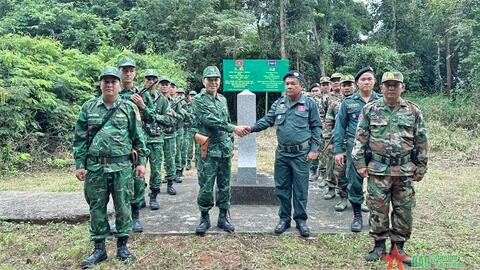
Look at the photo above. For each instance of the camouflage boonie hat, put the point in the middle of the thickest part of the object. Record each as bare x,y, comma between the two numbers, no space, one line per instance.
192,93
164,79
347,78
180,90
392,76
211,72
126,62
109,71
336,76
151,73
295,74
324,79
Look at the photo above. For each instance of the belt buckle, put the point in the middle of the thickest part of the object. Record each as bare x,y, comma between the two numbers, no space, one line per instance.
394,161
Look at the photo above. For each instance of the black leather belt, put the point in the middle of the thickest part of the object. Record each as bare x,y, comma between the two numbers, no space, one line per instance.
391,160
294,148
109,160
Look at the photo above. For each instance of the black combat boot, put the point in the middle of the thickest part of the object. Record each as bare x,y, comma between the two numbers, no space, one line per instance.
136,225
357,222
223,222
98,255
170,189
153,200
178,176
122,250
377,252
204,224
406,259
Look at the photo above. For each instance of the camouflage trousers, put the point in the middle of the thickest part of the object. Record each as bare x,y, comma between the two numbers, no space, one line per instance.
97,189
169,150
179,161
155,160
211,170
319,164
399,191
187,145
336,177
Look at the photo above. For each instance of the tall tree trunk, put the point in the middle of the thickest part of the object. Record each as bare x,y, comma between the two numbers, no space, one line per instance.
283,53
318,44
394,26
448,63
438,73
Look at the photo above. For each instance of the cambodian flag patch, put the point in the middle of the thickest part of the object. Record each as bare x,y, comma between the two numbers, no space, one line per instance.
301,108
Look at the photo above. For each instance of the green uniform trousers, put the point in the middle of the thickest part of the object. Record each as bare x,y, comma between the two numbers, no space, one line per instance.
169,150
155,160
138,190
291,176
383,190
179,162
209,170
97,189
355,181
187,146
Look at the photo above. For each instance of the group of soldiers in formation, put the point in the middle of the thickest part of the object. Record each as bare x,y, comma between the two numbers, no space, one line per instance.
340,131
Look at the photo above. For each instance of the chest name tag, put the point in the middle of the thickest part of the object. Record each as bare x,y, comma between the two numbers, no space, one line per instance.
301,108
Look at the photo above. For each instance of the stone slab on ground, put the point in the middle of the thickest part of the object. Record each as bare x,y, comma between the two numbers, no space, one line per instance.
177,215
44,207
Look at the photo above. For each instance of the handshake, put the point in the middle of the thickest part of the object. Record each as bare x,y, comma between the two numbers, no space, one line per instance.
242,130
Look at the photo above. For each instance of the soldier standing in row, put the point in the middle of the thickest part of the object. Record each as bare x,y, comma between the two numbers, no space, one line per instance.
345,128
394,131
154,134
214,163
107,130
189,131
316,95
144,103
178,106
298,133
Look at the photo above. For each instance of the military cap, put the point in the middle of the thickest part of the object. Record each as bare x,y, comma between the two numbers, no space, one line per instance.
295,74
211,72
313,86
324,79
151,73
392,76
109,71
192,93
173,82
126,62
347,78
163,79
336,75
180,90
363,70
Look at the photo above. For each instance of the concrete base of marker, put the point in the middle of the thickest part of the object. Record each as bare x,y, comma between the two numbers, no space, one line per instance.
260,192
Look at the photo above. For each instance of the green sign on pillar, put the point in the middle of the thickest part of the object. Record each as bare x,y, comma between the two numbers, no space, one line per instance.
254,75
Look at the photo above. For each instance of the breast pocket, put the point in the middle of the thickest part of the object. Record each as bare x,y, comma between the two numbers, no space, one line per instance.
378,127
280,116
354,113
301,119
120,122
406,126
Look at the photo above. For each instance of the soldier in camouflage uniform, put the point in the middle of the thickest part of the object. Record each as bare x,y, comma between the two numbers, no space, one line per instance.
154,134
325,88
394,131
345,128
189,131
213,121
169,138
334,97
179,107
298,133
347,88
316,95
102,160
144,104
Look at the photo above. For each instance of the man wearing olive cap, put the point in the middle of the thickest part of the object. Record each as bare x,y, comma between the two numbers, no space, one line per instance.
394,131
298,133
103,160
345,127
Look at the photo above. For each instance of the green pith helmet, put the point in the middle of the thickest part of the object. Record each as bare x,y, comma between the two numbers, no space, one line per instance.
211,72
347,78
336,75
392,76
151,73
126,62
164,79
180,90
324,79
109,71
